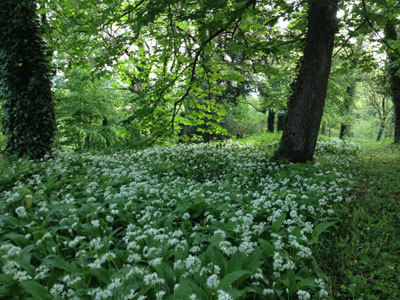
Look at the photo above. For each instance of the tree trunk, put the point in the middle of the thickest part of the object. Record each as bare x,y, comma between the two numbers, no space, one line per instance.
381,129
29,121
391,34
271,120
307,102
343,129
323,128
347,103
281,122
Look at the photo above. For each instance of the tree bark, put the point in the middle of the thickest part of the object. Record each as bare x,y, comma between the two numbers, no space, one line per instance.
347,103
323,128
271,120
393,70
281,122
381,129
343,129
307,102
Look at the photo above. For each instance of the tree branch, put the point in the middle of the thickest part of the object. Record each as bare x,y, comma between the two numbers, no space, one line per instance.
376,31
347,40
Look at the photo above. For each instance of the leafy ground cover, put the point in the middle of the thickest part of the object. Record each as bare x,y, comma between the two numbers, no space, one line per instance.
181,222
362,254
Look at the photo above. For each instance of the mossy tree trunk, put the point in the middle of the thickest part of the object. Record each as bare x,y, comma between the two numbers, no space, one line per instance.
394,69
307,102
29,121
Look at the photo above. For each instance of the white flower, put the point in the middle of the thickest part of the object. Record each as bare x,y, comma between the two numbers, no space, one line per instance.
303,295
212,281
96,243
155,262
193,264
152,279
131,295
57,289
95,223
41,272
134,258
20,211
268,292
160,295
76,241
222,295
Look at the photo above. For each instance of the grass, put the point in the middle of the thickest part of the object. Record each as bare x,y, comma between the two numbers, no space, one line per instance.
363,254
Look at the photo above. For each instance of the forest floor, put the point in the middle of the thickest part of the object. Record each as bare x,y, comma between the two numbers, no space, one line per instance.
363,257
217,221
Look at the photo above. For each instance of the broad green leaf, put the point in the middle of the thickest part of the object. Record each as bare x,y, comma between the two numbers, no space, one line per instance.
253,261
101,274
60,263
19,239
214,255
267,247
230,278
278,223
35,289
236,262
320,228
306,282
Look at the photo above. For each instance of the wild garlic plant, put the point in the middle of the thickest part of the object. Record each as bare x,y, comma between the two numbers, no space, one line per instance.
181,222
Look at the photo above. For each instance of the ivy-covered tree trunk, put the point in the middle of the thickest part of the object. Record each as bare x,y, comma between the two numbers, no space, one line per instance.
271,120
307,102
394,69
29,121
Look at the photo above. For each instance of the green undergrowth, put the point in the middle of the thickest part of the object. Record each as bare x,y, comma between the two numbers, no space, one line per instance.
205,222
361,256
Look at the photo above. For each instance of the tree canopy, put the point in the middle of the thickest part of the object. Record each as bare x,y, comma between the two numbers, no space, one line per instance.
183,61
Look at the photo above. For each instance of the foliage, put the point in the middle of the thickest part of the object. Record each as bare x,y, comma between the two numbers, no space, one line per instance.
90,112
29,122
241,121
202,221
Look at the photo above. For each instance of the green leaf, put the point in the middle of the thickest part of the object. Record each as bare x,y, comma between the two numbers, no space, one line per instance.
19,239
230,278
214,255
59,263
236,262
320,228
306,282
188,287
253,261
267,247
102,274
35,289
184,289
292,282
278,223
